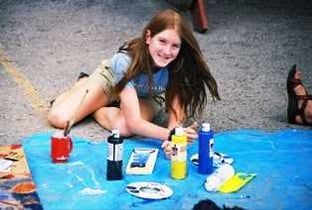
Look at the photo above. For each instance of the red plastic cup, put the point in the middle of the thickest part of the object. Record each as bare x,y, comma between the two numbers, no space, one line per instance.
61,147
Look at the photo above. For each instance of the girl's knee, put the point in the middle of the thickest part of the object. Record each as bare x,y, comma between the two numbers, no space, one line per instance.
110,119
56,119
126,133
121,125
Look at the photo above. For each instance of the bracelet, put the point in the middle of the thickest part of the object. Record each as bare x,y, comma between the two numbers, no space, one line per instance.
171,133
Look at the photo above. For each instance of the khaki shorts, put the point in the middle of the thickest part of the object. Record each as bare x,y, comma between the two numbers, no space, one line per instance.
104,76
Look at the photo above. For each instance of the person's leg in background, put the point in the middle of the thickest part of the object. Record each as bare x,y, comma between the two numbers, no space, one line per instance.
299,110
198,12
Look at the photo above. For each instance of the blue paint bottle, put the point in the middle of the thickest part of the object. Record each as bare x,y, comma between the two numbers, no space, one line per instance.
205,149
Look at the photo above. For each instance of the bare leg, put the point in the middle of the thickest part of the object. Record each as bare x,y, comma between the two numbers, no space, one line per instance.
308,112
66,108
113,118
176,118
300,90
63,96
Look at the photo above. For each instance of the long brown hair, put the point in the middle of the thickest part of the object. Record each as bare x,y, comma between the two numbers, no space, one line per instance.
189,75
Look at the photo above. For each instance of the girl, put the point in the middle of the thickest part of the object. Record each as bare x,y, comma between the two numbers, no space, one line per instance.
299,110
126,91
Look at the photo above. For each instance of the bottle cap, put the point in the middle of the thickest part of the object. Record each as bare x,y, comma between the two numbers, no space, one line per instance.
179,131
206,127
115,133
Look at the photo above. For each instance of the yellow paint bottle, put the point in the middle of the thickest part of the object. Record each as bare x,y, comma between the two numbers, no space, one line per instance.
179,154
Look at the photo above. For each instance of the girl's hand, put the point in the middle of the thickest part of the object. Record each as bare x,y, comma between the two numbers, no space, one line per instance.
191,132
166,146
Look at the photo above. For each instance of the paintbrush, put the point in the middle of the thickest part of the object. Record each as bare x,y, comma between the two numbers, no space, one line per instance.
70,123
66,128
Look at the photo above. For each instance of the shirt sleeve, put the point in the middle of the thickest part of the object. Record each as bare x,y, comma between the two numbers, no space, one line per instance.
120,64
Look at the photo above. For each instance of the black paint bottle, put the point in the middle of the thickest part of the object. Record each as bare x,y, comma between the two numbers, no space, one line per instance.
114,156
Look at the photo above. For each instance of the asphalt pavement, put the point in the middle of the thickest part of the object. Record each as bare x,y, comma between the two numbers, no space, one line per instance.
249,46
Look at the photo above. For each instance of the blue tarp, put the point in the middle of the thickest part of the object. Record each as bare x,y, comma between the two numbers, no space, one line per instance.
281,160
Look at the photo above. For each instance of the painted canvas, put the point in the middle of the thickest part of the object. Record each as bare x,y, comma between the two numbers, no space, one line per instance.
17,189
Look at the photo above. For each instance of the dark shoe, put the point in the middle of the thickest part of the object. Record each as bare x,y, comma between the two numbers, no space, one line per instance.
82,75
51,102
293,110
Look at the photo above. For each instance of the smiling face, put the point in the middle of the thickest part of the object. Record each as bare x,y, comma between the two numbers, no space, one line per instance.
164,47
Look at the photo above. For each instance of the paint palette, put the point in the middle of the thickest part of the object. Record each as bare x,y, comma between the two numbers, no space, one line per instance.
149,190
218,159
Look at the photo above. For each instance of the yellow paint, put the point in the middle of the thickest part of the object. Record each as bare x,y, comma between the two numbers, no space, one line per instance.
178,159
38,104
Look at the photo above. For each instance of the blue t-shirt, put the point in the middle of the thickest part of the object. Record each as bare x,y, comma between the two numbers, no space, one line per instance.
120,63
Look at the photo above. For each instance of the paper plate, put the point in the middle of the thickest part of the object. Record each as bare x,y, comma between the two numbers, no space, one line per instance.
149,190
218,159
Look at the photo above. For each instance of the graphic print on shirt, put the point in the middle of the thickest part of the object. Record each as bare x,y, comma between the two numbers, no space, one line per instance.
160,81
120,63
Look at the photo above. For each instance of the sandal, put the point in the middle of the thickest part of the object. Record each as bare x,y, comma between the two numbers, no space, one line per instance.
293,110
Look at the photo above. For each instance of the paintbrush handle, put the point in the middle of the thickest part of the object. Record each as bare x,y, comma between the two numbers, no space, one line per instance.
70,125
66,128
